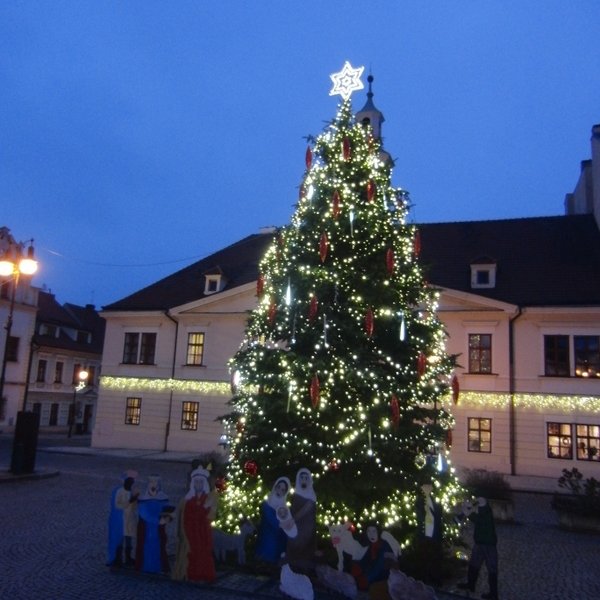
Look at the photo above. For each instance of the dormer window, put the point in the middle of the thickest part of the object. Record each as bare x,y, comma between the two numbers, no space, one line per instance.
483,273
49,330
212,284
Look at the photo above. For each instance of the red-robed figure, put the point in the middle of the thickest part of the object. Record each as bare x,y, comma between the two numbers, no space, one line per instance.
194,559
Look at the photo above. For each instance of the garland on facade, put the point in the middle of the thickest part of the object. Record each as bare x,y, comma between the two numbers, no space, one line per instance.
182,386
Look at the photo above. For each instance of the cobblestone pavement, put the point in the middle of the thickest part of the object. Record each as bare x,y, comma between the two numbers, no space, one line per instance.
54,537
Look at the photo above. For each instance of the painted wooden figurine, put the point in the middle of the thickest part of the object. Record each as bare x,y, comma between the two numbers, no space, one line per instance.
300,549
122,522
194,557
271,541
154,513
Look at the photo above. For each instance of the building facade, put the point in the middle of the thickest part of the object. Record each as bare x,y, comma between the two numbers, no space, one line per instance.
67,343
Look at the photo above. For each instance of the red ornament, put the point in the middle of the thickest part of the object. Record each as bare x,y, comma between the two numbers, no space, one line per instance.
335,201
395,408
323,246
389,261
449,438
239,426
272,313
312,310
421,364
220,484
417,243
260,285
369,322
370,190
455,389
308,157
347,149
315,391
251,468
334,465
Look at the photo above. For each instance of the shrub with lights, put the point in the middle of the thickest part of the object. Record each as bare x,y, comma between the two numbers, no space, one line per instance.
343,368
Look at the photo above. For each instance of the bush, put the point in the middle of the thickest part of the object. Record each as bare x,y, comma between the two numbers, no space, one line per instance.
489,484
583,497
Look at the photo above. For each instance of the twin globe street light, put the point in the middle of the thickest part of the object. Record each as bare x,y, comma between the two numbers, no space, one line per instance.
14,264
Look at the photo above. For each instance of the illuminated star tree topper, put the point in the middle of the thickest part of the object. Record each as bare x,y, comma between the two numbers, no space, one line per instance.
346,81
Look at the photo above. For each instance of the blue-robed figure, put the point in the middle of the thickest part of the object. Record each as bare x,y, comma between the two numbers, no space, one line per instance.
154,513
271,537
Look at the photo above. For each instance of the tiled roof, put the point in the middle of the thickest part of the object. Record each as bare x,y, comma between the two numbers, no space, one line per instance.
69,316
541,261
238,263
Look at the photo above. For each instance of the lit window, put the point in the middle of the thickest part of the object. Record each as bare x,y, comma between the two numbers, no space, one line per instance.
588,442
480,434
559,440
480,353
189,416
195,348
587,355
133,411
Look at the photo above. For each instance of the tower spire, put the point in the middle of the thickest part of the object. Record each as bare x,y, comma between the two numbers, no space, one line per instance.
369,114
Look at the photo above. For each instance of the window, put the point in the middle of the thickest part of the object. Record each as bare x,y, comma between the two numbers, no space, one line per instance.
556,356
41,370
560,440
483,273
130,348
12,349
588,442
58,372
83,337
53,414
480,353
139,348
480,434
587,355
91,375
133,411
76,369
49,330
189,416
2,409
195,348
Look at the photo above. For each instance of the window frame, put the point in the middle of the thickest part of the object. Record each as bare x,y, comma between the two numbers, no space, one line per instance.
12,348
478,439
189,415
42,368
133,410
480,350
139,348
561,436
589,455
191,346
586,356
59,371
553,362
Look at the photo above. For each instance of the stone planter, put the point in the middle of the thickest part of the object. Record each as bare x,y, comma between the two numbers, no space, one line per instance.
576,522
503,510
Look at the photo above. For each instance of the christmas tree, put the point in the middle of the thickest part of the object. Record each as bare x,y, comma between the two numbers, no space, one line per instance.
343,368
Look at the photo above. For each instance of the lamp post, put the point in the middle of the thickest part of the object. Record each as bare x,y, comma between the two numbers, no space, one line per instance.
14,264
82,375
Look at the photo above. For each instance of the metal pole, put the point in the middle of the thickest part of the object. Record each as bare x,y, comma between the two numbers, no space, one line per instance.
8,328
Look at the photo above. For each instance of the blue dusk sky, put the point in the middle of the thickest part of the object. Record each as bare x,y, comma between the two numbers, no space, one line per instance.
139,136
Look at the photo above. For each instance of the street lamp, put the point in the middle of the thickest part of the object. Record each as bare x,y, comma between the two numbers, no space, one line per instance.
82,375
14,264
